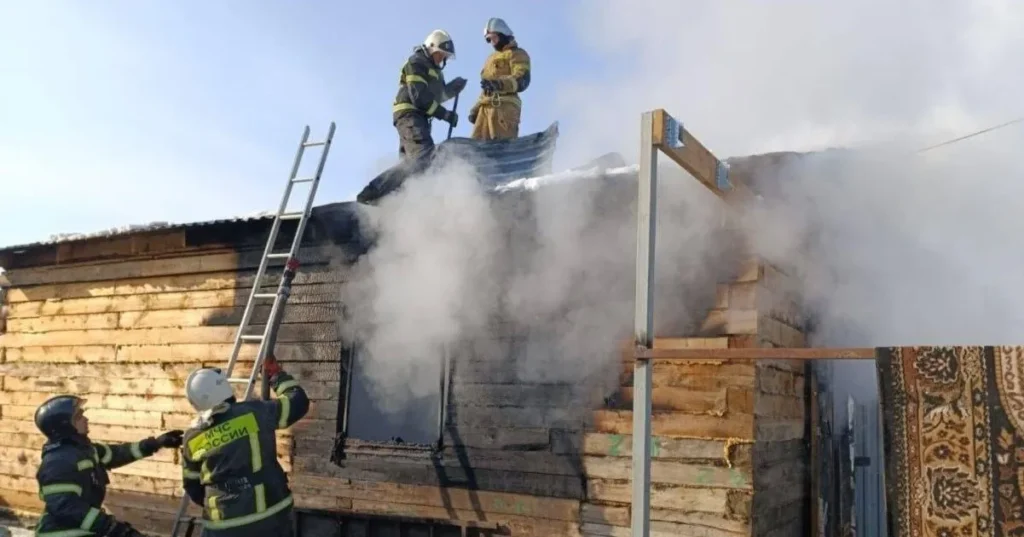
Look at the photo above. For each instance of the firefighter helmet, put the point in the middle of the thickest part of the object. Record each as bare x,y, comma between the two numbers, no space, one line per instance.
55,417
497,26
440,41
206,388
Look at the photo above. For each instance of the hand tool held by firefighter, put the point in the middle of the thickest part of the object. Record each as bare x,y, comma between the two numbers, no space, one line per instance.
451,126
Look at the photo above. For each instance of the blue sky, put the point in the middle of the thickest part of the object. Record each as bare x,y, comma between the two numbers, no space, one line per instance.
126,112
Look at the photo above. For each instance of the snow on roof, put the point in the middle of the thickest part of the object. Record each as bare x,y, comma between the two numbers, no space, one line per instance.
533,183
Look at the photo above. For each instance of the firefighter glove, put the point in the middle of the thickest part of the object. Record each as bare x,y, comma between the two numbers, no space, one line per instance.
456,86
490,86
449,116
472,115
170,439
271,367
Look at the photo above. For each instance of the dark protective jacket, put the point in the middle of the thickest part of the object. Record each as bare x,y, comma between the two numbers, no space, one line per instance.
73,482
230,467
421,87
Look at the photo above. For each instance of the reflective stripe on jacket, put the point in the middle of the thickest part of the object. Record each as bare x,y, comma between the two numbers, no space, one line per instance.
421,87
510,68
73,480
230,467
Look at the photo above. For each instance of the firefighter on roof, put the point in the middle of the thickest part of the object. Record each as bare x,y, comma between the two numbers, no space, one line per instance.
505,75
421,91
72,474
230,465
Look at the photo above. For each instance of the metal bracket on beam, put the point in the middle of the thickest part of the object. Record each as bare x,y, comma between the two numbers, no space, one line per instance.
722,177
673,135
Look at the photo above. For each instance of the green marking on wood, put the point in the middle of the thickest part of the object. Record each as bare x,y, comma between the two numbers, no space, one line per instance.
615,447
703,476
655,446
736,478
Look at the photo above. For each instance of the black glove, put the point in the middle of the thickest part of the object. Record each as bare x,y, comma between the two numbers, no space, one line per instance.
122,529
490,86
449,116
456,86
472,115
170,439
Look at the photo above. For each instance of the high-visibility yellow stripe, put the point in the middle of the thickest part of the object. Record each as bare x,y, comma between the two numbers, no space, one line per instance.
286,385
250,519
286,409
136,450
59,488
191,474
205,475
85,464
433,108
402,107
90,518
211,506
257,456
409,79
261,498
64,533
433,73
108,454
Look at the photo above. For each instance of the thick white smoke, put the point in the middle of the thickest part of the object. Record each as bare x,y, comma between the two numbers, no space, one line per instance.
890,249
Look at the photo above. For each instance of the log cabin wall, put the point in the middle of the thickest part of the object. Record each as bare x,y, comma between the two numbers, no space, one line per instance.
122,320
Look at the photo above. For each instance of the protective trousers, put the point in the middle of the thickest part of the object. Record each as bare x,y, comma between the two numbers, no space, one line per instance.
414,137
497,122
279,525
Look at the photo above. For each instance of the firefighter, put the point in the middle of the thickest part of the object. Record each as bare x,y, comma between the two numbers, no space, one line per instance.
229,460
72,474
505,75
421,91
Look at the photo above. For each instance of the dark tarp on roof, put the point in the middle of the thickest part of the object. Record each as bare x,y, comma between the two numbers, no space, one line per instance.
497,162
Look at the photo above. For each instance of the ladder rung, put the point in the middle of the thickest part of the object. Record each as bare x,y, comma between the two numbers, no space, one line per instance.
291,216
313,144
304,180
279,256
252,337
238,380
265,295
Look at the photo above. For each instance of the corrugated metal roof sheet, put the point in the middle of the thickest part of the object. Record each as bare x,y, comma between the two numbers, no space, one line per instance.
135,228
497,162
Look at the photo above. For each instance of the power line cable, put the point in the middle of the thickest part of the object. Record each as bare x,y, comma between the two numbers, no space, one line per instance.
973,134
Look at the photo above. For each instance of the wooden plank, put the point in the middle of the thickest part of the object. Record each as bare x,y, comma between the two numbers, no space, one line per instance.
186,353
687,499
621,445
696,375
683,400
160,266
454,498
298,313
672,473
393,471
224,298
298,332
759,354
735,426
106,370
210,281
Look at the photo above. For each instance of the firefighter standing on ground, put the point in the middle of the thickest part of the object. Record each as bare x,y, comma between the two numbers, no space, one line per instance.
506,73
230,465
421,90
72,474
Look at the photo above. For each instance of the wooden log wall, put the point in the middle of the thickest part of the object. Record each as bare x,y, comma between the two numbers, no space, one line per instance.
727,446
126,327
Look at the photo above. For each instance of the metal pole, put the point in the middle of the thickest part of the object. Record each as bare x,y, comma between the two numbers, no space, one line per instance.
643,326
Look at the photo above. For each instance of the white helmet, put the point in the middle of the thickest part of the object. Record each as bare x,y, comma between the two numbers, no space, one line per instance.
206,388
497,26
440,41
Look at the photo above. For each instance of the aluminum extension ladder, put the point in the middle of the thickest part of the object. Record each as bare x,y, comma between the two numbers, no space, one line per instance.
268,338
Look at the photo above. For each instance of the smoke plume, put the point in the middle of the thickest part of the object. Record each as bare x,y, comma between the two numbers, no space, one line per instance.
890,247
